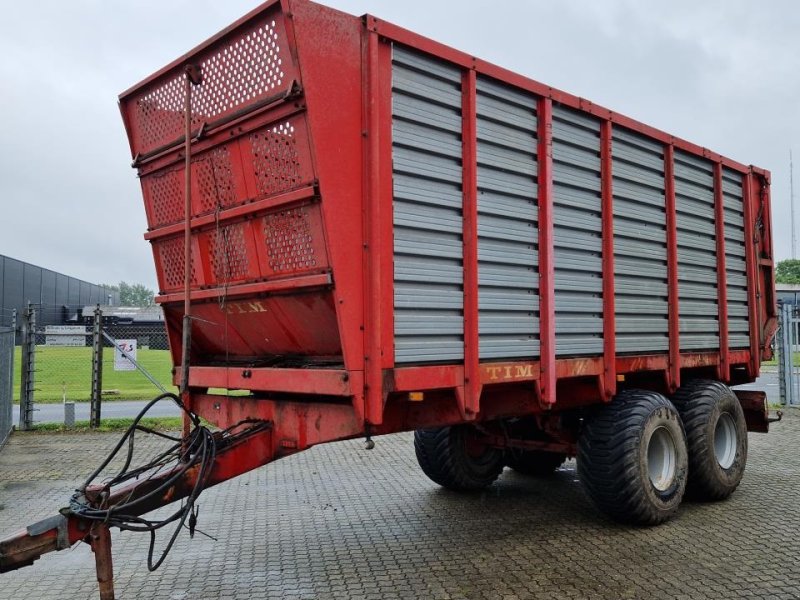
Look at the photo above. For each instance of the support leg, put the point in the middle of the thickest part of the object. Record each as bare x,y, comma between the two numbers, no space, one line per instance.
101,546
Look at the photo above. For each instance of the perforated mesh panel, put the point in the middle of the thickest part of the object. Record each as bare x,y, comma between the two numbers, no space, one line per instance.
254,64
229,259
275,158
214,179
164,192
290,241
170,254
213,187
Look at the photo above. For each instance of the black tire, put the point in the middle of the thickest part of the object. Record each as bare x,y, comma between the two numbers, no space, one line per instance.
716,433
448,456
536,463
615,463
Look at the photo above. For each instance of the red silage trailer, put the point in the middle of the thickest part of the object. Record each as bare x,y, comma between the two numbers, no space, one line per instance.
387,234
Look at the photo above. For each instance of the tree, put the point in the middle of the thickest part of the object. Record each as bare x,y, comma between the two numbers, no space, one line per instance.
788,271
134,294
131,294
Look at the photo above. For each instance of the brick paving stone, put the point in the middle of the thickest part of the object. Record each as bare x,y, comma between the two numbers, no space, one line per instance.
339,522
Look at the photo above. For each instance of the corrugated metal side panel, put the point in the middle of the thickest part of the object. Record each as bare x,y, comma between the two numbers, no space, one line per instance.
427,174
577,233
640,244
735,265
508,254
697,252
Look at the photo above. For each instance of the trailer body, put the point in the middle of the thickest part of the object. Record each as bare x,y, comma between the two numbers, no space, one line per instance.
376,214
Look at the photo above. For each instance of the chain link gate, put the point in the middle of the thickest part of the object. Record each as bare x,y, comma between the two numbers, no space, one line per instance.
788,347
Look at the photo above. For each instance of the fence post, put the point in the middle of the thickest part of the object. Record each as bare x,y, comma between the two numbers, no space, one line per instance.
28,376
97,368
780,345
11,368
791,383
787,378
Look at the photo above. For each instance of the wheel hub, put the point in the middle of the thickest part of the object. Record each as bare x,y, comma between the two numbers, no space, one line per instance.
725,440
661,459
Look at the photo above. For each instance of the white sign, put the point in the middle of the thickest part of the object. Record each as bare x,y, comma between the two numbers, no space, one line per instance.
65,335
120,362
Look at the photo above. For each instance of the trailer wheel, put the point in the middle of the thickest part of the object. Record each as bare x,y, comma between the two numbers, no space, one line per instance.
632,458
454,458
536,463
716,433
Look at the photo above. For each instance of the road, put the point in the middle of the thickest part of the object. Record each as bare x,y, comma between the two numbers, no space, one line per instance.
54,413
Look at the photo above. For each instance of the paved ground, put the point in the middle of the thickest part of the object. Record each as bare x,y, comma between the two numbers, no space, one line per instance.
341,522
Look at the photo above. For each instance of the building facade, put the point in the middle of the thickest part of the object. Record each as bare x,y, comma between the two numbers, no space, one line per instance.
22,282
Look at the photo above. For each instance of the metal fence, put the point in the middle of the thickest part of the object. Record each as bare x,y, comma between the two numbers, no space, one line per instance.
7,335
93,358
788,353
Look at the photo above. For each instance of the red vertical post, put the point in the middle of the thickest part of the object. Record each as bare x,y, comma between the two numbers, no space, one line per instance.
607,211
751,257
472,386
372,234
547,308
386,199
674,375
722,279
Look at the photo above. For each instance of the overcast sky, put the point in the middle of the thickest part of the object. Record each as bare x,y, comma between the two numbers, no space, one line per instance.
721,73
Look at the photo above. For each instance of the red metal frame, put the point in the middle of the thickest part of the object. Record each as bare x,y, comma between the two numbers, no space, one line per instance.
472,381
722,285
372,229
674,373
751,258
547,300
609,316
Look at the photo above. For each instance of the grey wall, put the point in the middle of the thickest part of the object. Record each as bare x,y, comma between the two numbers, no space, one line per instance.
22,282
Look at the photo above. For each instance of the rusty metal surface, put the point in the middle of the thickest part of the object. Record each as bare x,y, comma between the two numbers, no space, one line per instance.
340,523
756,410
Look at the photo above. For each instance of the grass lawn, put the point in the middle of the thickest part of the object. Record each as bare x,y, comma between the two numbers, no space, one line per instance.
67,371
774,361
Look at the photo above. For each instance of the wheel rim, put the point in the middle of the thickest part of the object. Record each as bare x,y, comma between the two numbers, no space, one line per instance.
662,456
725,441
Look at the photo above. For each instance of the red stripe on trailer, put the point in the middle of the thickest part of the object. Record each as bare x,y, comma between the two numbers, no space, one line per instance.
547,308
609,317
372,230
751,258
472,380
672,269
385,198
722,285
